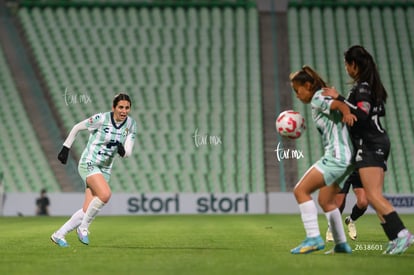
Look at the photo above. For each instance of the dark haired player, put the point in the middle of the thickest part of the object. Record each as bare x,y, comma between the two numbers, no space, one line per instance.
111,134
367,100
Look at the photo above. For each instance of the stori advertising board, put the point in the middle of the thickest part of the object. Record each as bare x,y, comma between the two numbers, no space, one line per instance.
65,204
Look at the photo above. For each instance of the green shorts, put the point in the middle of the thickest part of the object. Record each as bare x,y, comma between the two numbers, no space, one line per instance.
333,171
87,169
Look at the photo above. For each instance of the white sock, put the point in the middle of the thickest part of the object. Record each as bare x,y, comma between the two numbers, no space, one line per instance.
71,224
335,222
309,214
93,209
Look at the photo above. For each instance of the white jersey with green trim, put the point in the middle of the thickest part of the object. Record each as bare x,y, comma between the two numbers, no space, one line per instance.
104,136
335,136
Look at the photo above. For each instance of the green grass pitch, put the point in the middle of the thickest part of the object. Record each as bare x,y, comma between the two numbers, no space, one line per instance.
192,244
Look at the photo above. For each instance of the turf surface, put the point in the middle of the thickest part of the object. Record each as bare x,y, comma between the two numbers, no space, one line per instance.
248,244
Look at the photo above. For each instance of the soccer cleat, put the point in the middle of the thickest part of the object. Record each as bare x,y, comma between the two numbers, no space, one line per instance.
309,245
59,241
352,232
340,248
83,235
343,248
390,246
329,236
400,245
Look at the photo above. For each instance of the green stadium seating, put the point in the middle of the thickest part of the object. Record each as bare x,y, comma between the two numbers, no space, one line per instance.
190,68
185,68
23,163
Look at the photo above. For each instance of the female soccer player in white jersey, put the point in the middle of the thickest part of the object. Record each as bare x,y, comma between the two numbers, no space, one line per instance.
111,133
329,172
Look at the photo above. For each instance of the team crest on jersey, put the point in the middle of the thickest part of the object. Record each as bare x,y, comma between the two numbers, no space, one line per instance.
125,133
92,118
364,106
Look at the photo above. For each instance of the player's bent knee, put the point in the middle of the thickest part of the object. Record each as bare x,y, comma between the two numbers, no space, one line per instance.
105,197
327,207
362,204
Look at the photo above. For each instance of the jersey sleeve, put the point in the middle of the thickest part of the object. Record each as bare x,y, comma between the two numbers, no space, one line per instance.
72,134
130,139
363,101
94,122
363,93
322,103
90,124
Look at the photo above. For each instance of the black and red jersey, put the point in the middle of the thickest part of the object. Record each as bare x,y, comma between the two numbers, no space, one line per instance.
368,127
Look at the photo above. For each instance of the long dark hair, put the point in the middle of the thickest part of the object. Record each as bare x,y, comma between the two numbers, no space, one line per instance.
367,71
120,97
307,74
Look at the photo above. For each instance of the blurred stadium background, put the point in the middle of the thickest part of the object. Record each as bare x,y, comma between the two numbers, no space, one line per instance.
217,69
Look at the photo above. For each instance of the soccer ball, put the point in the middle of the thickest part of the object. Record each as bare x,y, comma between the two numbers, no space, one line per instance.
290,124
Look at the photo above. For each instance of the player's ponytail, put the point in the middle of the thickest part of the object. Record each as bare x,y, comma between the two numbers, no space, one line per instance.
319,82
367,71
307,74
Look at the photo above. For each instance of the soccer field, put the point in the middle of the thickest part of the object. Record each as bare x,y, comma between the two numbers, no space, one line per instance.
244,244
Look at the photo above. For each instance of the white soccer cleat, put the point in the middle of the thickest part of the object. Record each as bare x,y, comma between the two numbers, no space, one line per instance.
329,236
60,241
83,235
352,232
399,245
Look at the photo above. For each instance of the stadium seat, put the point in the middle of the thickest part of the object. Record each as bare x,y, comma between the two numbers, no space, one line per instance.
24,164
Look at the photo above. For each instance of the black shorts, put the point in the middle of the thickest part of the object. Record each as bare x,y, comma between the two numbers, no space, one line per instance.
372,154
353,180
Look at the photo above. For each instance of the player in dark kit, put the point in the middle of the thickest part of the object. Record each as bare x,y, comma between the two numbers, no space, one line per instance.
371,143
